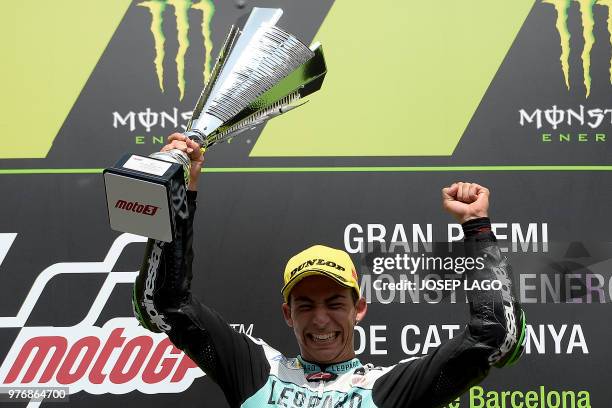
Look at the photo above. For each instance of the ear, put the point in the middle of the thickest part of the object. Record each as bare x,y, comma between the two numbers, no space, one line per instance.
287,314
361,308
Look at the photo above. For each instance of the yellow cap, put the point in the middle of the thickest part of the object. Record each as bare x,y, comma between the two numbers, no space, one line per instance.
320,260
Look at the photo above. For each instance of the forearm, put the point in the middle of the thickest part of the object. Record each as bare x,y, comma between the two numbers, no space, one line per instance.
164,281
496,318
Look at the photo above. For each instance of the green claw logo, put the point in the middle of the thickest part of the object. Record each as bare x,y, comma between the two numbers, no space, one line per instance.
588,23
181,9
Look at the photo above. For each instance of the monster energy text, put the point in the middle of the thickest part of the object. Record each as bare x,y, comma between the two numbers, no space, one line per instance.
557,118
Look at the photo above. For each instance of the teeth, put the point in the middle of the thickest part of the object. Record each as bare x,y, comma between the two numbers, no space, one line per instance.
323,337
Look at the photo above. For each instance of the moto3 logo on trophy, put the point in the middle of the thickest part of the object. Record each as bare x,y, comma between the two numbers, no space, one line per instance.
135,206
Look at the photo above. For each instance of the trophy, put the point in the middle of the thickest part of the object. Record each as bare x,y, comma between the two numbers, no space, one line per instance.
261,72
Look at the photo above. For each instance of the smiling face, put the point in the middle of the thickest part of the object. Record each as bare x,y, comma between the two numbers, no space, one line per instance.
323,314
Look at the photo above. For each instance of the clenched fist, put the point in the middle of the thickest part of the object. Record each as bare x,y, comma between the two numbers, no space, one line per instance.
192,149
466,201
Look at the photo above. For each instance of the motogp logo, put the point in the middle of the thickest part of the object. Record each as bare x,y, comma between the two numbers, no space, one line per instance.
117,358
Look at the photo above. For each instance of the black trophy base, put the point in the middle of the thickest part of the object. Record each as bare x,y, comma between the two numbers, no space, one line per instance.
145,195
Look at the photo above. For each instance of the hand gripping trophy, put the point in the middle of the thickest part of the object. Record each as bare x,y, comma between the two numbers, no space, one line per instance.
261,72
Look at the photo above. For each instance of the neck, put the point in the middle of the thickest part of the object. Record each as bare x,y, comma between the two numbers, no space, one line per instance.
337,367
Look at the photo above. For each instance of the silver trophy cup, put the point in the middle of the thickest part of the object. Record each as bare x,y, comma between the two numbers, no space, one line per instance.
261,72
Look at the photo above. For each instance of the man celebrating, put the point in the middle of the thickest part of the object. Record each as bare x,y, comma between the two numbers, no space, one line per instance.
322,305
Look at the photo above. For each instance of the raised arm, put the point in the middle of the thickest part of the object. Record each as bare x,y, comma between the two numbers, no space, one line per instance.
496,315
496,329
163,302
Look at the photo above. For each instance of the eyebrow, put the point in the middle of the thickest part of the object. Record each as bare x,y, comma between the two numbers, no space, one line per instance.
303,299
306,299
335,297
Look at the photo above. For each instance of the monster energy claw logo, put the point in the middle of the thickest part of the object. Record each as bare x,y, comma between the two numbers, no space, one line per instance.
588,22
181,8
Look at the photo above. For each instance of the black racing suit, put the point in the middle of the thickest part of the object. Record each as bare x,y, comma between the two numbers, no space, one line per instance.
252,374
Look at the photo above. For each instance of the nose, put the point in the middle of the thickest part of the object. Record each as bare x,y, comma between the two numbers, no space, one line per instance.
320,318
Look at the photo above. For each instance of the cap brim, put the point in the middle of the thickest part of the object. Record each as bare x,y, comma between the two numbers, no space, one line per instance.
311,272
